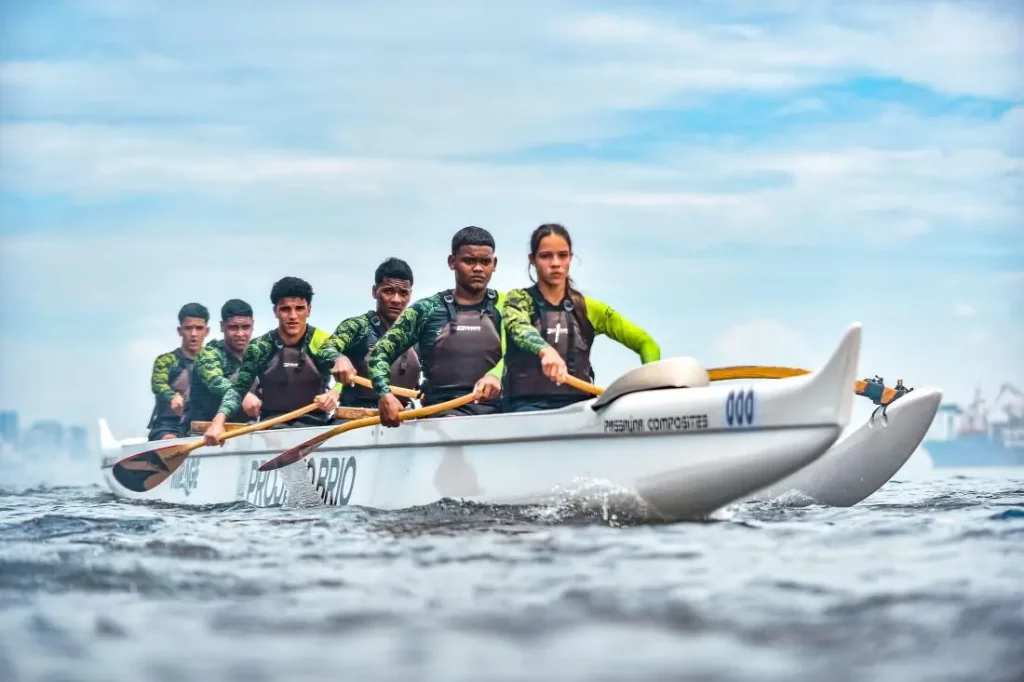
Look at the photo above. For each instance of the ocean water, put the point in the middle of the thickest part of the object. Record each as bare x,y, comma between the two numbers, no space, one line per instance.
922,581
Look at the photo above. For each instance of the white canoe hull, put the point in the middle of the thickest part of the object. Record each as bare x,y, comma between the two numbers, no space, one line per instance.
863,461
681,450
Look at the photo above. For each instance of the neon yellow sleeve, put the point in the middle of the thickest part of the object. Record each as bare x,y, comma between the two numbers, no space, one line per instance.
324,355
611,323
499,369
320,336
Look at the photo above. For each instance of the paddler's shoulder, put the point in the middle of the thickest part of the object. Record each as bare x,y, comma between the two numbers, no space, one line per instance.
356,323
212,350
516,297
266,338
169,359
354,329
596,307
318,338
213,346
425,306
261,346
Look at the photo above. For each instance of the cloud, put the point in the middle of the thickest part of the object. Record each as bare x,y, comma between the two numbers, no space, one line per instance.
802,106
792,190
979,337
961,309
327,109
454,78
952,48
764,341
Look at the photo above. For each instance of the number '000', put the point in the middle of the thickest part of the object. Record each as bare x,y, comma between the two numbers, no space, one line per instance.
739,408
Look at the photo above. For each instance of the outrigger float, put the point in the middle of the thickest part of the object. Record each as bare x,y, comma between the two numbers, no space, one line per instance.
662,432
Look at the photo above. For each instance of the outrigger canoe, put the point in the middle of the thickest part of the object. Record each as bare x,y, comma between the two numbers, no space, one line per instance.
864,460
661,432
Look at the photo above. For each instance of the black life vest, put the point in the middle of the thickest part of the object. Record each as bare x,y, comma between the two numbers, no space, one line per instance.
292,379
569,331
467,346
405,371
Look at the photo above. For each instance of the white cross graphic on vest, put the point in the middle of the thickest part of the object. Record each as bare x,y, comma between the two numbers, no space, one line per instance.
557,330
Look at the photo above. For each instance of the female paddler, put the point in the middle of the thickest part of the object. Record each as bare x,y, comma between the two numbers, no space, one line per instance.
550,328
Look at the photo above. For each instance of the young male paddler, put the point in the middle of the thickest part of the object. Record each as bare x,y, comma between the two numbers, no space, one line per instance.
551,329
292,367
217,365
172,372
458,333
354,337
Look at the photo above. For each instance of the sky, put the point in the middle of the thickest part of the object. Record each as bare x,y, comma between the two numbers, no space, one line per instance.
742,179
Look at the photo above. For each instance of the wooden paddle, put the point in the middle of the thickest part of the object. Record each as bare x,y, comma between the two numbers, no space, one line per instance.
145,470
881,395
341,412
302,449
397,390
583,385
878,392
716,374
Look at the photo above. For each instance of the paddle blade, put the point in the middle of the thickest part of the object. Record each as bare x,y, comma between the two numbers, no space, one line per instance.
146,470
293,455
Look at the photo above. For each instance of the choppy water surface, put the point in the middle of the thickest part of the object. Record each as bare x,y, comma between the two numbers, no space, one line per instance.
922,581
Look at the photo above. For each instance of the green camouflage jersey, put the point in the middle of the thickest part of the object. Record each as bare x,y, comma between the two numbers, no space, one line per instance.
259,357
350,335
519,325
354,338
167,369
171,376
215,368
471,346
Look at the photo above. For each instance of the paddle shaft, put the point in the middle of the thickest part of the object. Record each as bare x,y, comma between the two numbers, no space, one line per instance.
268,423
883,395
716,374
860,387
402,416
303,449
397,390
240,431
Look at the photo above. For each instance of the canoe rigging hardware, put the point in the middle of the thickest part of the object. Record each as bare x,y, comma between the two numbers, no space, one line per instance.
876,390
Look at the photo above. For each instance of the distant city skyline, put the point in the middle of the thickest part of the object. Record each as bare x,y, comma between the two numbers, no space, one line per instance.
743,181
45,435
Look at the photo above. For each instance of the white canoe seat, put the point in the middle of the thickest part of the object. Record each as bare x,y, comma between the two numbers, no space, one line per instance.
681,372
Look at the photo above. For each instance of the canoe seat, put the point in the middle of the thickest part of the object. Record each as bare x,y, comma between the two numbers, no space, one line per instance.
678,372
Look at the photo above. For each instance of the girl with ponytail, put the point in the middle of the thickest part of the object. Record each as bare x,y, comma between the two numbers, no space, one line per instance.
550,328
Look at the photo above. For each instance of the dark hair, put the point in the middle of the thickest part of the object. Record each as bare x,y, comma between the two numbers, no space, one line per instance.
471,236
394,268
546,230
291,287
236,307
193,310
